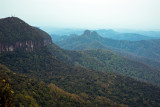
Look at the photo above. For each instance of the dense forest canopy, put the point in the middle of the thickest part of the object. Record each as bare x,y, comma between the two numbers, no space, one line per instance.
51,76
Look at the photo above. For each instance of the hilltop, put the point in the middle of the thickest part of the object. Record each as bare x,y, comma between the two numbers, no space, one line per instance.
16,34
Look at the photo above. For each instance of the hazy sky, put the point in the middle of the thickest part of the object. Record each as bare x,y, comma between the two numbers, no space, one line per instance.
130,14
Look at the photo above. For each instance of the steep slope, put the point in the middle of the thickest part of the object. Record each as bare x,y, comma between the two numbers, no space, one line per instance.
24,91
96,88
16,34
104,60
82,82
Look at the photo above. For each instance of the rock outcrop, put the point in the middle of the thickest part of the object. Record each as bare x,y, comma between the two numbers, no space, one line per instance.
26,45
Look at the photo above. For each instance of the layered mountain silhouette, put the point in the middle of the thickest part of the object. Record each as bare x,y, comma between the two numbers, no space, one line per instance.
107,33
50,76
146,49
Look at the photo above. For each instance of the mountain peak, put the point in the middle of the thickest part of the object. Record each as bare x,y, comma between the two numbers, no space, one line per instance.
15,34
87,32
91,34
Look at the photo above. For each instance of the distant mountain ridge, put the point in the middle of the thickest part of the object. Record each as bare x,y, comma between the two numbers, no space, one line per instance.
107,33
145,48
123,36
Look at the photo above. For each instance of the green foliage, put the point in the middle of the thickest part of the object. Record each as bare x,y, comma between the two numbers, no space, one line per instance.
125,66
145,48
104,60
6,94
76,80
42,78
65,98
29,92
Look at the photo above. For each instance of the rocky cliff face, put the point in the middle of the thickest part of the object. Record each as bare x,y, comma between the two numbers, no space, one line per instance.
25,45
16,34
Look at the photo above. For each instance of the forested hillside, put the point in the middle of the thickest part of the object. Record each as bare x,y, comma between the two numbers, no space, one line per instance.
41,77
145,48
91,85
146,51
20,90
104,60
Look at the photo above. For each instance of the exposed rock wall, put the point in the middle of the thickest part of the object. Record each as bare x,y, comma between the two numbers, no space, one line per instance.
26,45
